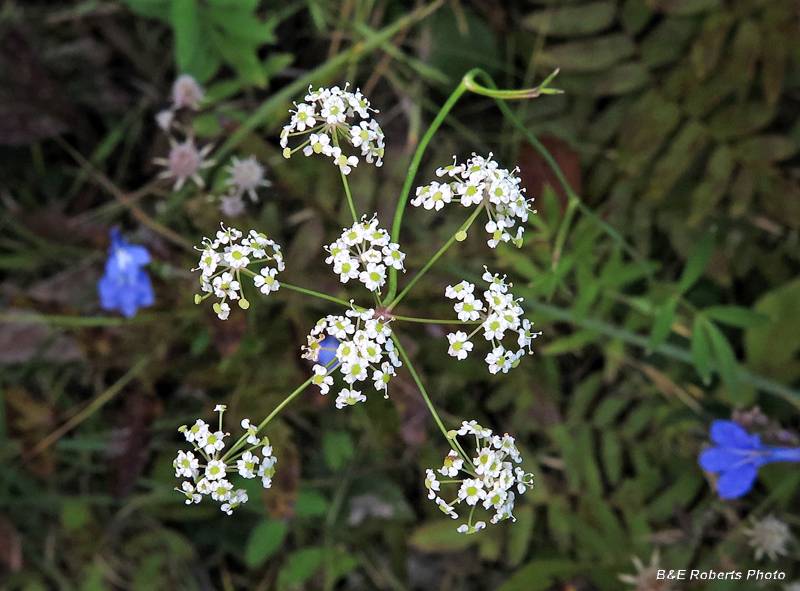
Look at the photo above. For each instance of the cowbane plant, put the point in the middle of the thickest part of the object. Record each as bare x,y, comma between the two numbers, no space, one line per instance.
209,466
355,350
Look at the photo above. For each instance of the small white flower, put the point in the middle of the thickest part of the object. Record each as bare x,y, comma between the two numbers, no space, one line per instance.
446,508
231,205
223,311
266,281
186,465
246,176
186,92
215,470
468,309
393,256
459,291
382,376
247,465
471,491
322,379
221,490
204,486
164,119
185,162
459,345
349,397
235,256
431,483
214,442
769,536
189,491
196,432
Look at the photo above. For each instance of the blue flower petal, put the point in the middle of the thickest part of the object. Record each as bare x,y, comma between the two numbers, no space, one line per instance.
737,482
720,459
139,255
329,345
125,286
730,434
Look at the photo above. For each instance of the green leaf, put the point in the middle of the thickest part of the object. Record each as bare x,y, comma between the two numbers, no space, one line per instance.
159,9
520,535
310,503
185,22
573,342
765,148
696,263
337,449
662,325
608,411
612,457
570,21
736,316
635,15
441,536
582,398
708,193
667,42
75,515
701,349
265,538
688,142
300,567
771,348
590,55
725,360
241,54
685,6
538,575
242,24
740,120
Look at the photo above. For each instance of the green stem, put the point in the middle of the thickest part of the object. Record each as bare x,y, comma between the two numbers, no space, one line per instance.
412,171
239,444
277,102
349,196
422,390
467,83
431,320
317,294
464,227
561,237
791,395
573,197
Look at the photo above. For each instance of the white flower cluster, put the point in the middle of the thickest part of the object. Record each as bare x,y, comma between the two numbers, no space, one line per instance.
207,471
481,182
185,160
354,344
364,252
490,476
500,313
246,176
769,537
324,118
224,259
186,92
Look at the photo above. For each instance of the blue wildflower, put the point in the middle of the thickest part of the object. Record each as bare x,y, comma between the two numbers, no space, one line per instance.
327,350
737,456
125,286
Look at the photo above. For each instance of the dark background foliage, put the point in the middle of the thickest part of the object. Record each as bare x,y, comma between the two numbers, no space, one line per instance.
667,294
